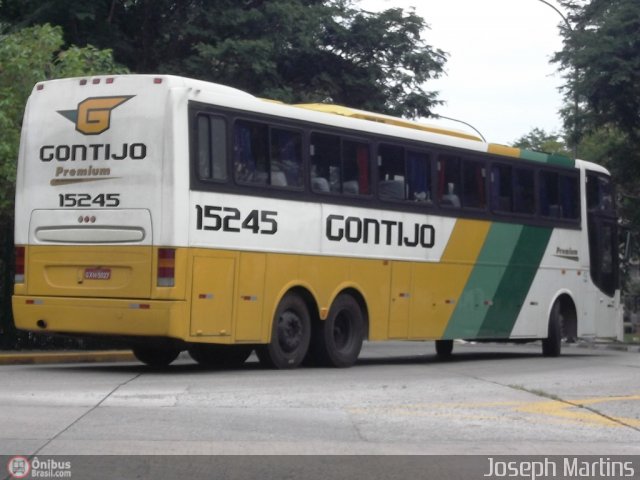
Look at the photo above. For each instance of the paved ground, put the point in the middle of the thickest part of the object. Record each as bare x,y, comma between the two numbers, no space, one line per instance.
398,399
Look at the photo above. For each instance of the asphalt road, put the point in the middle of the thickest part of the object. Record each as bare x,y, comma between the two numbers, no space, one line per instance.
398,399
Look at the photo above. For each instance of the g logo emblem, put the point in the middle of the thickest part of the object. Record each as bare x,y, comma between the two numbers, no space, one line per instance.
93,115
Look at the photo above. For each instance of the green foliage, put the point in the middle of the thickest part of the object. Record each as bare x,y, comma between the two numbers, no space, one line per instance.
289,50
28,56
540,141
601,61
601,58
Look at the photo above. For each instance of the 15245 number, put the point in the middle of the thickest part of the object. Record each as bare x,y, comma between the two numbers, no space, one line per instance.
103,200
231,219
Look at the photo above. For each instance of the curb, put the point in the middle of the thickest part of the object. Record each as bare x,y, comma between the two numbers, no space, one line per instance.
620,347
66,357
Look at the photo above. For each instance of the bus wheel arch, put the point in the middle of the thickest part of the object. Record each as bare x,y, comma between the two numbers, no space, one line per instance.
563,323
337,340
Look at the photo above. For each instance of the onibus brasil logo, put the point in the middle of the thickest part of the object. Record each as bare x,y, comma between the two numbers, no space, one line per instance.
93,115
23,467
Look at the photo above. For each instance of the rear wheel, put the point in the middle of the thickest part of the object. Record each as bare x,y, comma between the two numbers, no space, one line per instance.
290,334
552,345
219,355
338,339
157,357
444,348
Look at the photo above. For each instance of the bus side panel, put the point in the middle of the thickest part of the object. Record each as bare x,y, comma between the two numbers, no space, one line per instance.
560,272
212,295
249,296
438,289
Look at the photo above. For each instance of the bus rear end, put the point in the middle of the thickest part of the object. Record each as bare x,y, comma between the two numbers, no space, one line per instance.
93,197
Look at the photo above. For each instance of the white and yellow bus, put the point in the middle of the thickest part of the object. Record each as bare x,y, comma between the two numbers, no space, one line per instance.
174,214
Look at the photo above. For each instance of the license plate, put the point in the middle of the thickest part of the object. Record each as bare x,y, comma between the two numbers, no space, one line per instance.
97,273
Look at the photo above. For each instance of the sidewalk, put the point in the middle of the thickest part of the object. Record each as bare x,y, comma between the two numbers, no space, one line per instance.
53,356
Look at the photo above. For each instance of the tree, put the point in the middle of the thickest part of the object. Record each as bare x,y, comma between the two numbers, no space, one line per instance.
601,56
289,50
601,61
28,56
540,141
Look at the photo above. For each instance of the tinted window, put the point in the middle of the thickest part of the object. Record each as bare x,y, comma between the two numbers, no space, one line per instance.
418,177
559,196
355,167
473,185
267,156
599,193
286,158
326,165
449,180
524,191
339,165
501,188
391,172
212,148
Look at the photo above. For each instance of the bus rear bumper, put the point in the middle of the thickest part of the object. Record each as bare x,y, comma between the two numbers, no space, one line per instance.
90,316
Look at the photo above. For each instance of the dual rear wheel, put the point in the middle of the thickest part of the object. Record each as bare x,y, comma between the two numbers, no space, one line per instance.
296,337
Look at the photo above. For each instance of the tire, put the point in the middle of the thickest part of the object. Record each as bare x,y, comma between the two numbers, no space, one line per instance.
338,339
156,357
444,348
209,355
552,345
290,335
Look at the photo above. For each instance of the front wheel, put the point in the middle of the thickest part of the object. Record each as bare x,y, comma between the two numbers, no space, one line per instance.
290,334
338,339
552,345
157,357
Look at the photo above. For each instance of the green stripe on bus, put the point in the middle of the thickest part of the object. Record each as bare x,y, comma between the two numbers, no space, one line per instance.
474,303
559,160
534,156
515,283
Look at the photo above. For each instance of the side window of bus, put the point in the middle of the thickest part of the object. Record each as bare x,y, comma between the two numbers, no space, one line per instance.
418,177
251,147
570,197
501,188
212,148
599,193
286,158
339,166
391,172
449,180
355,168
403,175
267,156
559,196
326,165
524,198
473,185
513,189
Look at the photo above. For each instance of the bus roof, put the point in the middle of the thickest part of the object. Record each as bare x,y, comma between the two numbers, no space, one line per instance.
353,118
387,119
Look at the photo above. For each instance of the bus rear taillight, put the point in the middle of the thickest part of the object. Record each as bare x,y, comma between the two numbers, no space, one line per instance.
166,267
19,276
